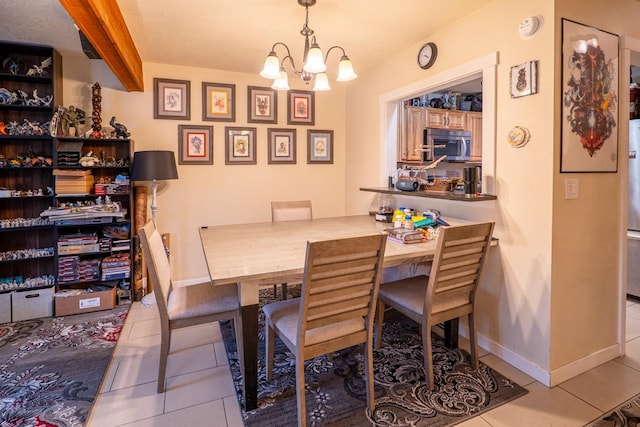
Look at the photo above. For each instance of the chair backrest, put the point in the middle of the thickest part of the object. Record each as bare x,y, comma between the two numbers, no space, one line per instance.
340,283
157,264
288,211
456,269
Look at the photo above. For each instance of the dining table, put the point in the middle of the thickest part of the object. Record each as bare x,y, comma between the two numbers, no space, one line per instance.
257,254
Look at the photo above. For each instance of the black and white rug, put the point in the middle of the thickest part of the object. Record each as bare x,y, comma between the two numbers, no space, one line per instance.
625,415
51,368
335,389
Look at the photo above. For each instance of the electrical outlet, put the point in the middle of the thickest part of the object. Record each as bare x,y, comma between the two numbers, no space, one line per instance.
571,187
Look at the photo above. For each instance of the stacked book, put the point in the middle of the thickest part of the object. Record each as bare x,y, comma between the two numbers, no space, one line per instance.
116,267
78,244
120,245
73,269
404,235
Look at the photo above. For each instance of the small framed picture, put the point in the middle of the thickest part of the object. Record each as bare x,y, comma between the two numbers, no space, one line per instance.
195,145
282,146
171,99
262,104
524,79
320,146
301,108
240,146
218,102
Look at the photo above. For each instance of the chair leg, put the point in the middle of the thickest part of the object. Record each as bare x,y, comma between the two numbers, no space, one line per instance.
473,340
428,354
165,345
284,291
379,323
275,291
302,405
368,372
268,349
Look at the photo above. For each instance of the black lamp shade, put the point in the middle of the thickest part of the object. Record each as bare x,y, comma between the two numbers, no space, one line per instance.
156,164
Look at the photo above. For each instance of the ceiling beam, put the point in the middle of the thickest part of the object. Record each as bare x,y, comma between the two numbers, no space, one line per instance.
102,23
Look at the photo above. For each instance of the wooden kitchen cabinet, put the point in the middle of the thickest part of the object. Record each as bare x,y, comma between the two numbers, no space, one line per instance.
445,119
411,139
474,125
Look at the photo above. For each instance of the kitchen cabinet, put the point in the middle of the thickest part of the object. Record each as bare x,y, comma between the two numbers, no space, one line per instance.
474,125
411,138
30,87
445,119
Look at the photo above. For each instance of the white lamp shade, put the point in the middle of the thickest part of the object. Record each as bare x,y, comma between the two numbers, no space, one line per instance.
315,62
322,83
282,82
271,69
345,70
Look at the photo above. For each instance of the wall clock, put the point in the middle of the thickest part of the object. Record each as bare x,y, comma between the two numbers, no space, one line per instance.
427,55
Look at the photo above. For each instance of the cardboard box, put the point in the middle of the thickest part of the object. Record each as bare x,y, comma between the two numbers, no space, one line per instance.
5,307
32,304
85,302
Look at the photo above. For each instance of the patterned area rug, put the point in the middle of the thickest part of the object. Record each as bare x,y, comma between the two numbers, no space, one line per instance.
51,368
625,415
335,389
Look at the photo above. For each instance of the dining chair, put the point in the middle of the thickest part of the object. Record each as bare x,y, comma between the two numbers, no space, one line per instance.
336,308
289,211
449,291
184,306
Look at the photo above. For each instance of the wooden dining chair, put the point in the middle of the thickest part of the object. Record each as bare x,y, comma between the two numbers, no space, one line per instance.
184,306
449,291
289,211
335,310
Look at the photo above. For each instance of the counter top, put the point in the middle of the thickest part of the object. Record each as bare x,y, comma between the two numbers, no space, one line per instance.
447,195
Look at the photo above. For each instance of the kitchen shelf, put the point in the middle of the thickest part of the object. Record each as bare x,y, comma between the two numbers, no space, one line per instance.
446,195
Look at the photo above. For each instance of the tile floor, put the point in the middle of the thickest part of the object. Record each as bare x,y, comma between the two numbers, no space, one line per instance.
200,390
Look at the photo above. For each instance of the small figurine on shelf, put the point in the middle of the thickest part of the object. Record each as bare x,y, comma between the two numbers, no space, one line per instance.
71,118
96,101
119,130
39,70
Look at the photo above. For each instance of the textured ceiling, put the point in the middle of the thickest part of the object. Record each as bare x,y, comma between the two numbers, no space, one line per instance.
236,35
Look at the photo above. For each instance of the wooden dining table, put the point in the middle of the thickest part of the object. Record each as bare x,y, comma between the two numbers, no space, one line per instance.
274,252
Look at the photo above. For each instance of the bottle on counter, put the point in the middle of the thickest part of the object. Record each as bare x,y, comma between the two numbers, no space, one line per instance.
408,222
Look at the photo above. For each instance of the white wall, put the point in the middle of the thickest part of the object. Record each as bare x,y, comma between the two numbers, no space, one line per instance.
217,194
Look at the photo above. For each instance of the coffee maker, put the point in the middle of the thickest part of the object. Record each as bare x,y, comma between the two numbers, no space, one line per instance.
471,177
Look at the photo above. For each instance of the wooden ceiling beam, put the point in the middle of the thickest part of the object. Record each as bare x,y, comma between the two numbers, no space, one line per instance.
102,23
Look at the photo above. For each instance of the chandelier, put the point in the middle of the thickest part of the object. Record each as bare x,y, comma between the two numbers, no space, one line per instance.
313,62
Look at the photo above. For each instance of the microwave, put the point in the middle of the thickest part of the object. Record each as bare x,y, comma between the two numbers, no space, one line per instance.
455,144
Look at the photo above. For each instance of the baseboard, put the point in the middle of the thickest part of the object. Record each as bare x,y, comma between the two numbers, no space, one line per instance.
547,378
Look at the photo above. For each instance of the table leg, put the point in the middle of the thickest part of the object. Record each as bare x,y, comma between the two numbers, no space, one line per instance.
451,333
250,345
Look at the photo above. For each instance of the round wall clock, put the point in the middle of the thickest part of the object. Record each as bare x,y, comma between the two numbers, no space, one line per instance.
427,55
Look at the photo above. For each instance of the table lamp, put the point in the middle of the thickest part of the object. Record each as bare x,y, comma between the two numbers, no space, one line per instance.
154,165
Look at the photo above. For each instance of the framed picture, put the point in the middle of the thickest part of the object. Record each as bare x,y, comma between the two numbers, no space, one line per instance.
301,108
589,104
240,146
282,146
524,79
262,104
218,102
195,145
171,99
319,146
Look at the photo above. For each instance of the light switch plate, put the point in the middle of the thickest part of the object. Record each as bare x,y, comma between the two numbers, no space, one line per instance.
571,187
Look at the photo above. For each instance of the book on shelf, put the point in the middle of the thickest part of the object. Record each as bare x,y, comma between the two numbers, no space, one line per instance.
404,235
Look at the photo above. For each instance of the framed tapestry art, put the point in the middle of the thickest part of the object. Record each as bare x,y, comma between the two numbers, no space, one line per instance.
262,104
301,107
171,99
218,102
524,79
195,145
590,67
282,146
240,146
319,146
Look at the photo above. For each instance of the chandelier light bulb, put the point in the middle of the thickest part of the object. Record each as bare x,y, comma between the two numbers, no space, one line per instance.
315,62
345,70
282,82
322,83
271,69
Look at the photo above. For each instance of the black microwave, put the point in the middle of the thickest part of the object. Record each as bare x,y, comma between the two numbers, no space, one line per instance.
455,144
